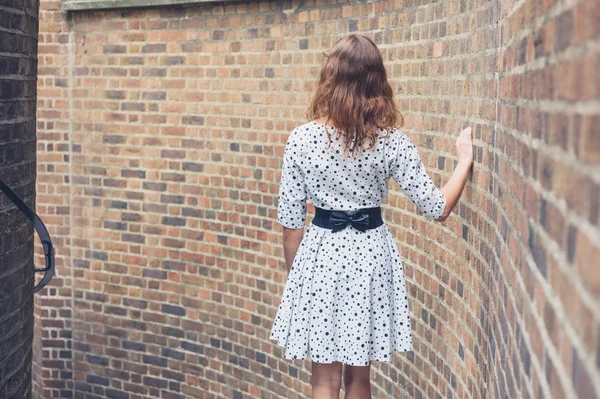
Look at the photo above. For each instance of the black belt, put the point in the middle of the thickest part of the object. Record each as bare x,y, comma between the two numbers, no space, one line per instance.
361,219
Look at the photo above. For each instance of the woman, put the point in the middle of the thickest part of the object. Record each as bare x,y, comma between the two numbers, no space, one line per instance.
345,300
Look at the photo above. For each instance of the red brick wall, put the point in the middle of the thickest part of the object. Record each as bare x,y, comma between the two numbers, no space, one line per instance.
160,136
53,345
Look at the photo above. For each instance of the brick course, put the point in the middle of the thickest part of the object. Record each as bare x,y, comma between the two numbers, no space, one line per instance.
160,136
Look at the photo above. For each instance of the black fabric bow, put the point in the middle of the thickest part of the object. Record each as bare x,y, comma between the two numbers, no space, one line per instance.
340,220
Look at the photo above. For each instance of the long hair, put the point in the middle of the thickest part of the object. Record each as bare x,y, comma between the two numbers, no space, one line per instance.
354,93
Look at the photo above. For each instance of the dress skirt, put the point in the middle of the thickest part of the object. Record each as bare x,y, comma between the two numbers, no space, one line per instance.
345,299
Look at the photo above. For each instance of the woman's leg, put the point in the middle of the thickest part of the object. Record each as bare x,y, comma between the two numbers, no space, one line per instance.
326,380
357,382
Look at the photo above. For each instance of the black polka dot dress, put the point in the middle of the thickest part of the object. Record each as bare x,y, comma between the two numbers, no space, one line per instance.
345,298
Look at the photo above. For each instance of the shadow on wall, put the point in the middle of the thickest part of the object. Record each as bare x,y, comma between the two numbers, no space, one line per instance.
160,135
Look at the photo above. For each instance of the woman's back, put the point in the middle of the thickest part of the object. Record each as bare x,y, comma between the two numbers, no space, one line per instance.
320,172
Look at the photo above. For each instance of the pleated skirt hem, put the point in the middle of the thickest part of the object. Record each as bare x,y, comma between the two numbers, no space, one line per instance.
340,358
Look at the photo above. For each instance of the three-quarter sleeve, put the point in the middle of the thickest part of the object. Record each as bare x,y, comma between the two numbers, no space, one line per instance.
291,211
407,169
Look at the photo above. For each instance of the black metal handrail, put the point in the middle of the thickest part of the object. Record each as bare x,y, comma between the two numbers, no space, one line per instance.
42,232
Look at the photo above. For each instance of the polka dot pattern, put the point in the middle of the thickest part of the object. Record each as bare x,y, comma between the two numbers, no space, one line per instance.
345,298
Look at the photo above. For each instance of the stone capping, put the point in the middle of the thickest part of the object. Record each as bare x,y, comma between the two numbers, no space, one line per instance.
80,5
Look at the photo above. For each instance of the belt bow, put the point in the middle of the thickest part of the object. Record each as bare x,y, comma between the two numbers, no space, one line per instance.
340,220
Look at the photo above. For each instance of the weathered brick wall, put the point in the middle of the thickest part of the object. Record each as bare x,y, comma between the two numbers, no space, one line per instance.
162,131
53,345
545,283
18,29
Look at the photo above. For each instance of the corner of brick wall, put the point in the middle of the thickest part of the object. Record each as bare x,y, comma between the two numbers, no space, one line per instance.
18,26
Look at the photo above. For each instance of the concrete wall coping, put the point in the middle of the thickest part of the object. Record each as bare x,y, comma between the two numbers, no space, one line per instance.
81,5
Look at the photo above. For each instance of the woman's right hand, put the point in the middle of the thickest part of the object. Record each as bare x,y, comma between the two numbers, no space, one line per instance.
464,147
454,188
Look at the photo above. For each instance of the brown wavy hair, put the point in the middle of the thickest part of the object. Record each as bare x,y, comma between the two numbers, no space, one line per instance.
354,93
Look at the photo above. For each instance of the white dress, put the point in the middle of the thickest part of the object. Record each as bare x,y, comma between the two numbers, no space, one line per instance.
345,298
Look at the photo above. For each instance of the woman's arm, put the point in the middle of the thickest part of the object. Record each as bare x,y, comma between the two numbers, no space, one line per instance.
291,242
293,193
454,188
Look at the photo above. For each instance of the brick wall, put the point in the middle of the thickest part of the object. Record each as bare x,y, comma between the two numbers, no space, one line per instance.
53,344
18,28
160,136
